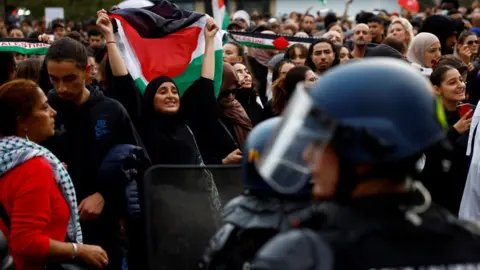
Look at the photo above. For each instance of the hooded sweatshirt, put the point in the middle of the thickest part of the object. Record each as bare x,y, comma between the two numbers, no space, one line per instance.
84,134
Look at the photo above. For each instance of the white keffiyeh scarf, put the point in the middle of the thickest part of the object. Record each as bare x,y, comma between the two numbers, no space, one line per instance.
15,151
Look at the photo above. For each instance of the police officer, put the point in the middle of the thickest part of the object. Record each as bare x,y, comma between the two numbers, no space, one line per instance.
254,217
359,133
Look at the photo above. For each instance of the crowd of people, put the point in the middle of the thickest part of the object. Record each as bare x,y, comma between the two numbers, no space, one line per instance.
76,136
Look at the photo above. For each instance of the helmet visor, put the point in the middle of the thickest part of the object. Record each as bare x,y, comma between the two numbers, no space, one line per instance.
283,163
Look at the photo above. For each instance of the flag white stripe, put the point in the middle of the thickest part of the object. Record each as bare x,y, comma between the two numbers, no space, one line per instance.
129,56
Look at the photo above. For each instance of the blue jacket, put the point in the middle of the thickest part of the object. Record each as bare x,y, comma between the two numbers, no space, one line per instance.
119,171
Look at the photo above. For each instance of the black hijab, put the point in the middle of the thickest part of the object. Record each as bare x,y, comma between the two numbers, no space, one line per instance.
166,136
443,27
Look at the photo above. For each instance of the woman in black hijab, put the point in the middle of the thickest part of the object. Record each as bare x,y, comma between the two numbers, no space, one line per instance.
164,129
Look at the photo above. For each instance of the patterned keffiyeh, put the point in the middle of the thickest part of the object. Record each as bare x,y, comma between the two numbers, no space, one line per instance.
14,151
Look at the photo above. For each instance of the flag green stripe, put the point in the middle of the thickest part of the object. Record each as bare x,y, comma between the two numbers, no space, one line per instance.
226,20
193,70
141,85
22,50
257,45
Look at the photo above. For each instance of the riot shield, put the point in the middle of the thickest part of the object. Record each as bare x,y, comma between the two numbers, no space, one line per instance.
182,211
228,180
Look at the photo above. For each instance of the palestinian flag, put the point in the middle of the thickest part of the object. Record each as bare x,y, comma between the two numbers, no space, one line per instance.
220,13
164,40
23,46
268,41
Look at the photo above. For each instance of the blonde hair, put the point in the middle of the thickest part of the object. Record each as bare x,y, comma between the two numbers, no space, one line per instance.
407,26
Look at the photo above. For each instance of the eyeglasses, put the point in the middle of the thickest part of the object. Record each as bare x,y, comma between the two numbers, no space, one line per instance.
471,42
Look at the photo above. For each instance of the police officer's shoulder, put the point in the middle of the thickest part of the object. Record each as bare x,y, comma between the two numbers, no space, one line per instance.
295,249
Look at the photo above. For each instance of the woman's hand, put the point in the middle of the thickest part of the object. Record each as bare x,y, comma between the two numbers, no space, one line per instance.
45,38
465,54
92,255
211,29
234,157
105,25
463,125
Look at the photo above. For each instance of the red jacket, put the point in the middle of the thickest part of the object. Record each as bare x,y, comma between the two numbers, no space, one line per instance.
37,209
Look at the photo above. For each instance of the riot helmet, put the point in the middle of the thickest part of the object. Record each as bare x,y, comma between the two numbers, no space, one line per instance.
253,148
378,112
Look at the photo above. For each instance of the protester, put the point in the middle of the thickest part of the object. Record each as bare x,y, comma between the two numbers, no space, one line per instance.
232,114
402,30
8,67
15,32
334,36
36,192
444,28
88,126
396,44
247,94
308,24
297,53
286,85
361,38
233,53
425,50
344,55
446,171
466,48
29,69
322,55
377,29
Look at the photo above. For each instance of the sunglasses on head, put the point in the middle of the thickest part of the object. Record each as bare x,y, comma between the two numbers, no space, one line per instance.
471,42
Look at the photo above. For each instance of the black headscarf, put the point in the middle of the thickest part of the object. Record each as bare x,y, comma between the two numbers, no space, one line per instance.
384,50
166,136
443,27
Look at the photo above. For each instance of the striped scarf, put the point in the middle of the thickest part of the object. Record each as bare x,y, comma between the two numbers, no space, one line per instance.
15,151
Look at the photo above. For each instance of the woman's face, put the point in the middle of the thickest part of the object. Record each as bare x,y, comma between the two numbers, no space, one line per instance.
344,55
286,68
298,58
452,87
398,32
230,54
432,54
244,76
16,33
472,43
337,28
40,124
167,100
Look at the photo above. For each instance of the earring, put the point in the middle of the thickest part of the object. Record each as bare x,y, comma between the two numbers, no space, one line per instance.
26,135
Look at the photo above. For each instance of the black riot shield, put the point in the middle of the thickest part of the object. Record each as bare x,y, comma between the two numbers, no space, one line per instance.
182,211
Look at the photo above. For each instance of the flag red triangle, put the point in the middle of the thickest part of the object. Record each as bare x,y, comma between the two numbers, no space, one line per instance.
281,43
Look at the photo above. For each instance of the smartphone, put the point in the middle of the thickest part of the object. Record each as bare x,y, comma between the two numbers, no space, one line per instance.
464,109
